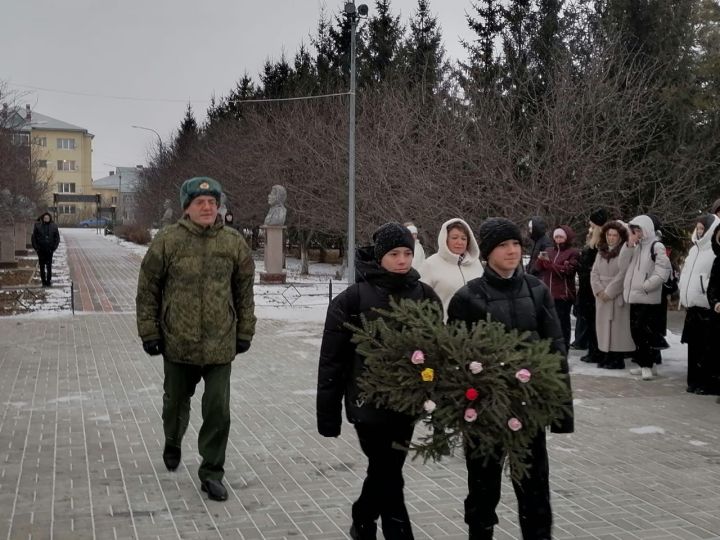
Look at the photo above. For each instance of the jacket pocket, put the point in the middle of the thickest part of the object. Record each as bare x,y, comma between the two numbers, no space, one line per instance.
703,283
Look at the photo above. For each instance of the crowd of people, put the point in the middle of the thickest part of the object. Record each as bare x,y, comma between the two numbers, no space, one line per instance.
195,308
616,285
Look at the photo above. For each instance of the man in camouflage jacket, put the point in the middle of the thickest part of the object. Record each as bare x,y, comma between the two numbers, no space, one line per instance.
195,307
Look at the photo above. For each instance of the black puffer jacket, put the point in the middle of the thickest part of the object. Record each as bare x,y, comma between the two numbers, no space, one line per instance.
540,241
713,289
585,296
340,365
45,236
521,302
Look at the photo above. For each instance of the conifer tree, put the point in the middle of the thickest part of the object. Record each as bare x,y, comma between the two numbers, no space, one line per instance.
422,52
384,33
188,134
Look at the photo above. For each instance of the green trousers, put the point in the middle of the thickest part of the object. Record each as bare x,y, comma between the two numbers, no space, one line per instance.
179,386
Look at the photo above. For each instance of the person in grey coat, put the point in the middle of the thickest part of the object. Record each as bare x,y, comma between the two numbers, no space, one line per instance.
612,314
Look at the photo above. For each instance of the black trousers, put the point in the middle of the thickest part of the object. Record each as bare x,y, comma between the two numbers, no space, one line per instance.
382,492
532,492
703,359
563,308
45,261
179,386
645,331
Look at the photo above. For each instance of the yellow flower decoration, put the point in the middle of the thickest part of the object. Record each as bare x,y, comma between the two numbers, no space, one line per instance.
427,374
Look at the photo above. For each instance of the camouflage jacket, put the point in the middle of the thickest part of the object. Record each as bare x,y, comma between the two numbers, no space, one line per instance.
195,292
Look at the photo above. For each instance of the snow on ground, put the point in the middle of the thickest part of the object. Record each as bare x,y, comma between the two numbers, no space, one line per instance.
52,301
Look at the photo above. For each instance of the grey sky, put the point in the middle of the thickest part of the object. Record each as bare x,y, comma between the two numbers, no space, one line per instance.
170,51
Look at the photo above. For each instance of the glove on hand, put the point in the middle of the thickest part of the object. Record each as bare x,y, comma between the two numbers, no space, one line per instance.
241,346
153,347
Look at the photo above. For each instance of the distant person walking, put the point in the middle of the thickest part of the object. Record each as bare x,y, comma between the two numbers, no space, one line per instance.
195,307
45,240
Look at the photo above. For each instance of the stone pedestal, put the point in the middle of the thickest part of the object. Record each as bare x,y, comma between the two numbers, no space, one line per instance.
7,247
274,244
20,238
28,236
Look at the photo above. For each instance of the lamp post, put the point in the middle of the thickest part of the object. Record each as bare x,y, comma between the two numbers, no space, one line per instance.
353,13
151,129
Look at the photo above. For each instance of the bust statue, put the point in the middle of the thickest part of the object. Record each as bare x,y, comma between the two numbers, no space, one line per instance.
276,200
167,217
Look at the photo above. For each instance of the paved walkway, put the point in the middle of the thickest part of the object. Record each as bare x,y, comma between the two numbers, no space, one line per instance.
81,438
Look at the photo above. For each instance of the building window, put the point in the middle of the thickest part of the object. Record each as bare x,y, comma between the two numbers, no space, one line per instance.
42,163
113,200
40,141
66,209
66,144
66,165
66,187
20,139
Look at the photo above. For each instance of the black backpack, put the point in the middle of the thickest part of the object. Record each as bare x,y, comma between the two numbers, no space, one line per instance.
671,284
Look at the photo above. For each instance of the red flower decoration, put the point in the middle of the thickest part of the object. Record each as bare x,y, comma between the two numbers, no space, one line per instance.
471,394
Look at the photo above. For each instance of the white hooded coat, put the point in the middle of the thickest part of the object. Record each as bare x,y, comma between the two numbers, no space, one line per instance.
644,277
695,272
418,255
446,272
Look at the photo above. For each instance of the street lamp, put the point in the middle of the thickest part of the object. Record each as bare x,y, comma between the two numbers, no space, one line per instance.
353,13
150,129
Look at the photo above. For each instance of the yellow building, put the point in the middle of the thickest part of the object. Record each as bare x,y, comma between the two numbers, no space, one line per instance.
62,153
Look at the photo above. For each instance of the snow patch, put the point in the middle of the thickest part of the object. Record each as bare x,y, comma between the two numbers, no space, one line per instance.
645,430
698,443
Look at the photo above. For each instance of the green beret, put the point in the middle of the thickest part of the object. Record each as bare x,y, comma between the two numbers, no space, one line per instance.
200,185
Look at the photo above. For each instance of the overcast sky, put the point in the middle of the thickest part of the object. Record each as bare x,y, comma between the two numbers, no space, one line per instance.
156,55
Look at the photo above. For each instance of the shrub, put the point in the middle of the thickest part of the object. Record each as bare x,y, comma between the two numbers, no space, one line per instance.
133,233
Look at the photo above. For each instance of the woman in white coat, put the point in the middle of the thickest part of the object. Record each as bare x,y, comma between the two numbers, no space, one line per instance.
456,262
698,327
647,268
612,314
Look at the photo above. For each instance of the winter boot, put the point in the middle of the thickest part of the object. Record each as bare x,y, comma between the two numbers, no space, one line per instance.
638,371
480,533
363,530
397,529
647,373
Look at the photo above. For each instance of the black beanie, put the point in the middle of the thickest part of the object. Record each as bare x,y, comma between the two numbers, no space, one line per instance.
494,231
599,216
390,236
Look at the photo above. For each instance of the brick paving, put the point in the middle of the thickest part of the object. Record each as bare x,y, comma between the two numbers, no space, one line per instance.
81,438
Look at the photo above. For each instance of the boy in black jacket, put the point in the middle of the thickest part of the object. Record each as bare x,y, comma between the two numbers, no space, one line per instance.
520,301
383,272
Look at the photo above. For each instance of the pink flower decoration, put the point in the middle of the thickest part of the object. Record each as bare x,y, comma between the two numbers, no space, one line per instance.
523,375
514,424
475,367
418,357
429,406
470,415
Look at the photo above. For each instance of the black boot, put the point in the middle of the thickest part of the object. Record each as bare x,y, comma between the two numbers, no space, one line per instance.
588,358
397,529
171,457
480,533
615,360
363,530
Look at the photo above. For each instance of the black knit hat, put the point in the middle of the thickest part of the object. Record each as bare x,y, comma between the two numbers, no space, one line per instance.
390,236
494,231
599,216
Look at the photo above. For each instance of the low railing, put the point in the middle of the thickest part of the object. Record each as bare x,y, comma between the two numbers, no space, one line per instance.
298,294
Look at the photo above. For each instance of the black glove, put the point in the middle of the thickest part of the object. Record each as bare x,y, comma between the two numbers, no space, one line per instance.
153,347
241,346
